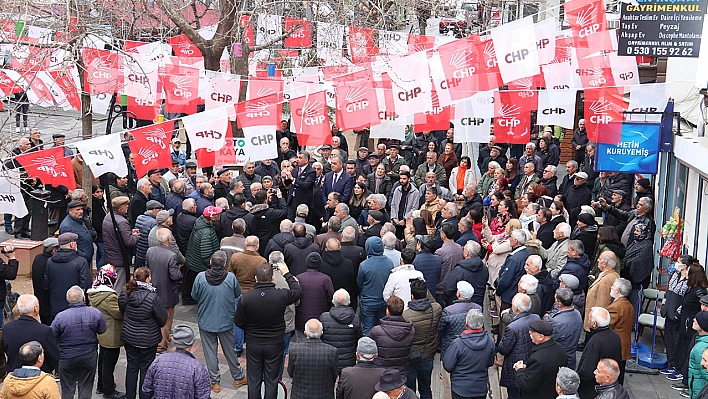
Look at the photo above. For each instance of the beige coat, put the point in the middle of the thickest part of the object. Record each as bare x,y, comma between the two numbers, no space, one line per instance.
106,300
599,294
42,386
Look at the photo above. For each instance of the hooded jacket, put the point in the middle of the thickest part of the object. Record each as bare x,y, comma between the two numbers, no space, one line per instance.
340,271
296,254
278,243
453,321
203,242
394,338
225,226
216,304
419,313
317,292
143,317
471,270
342,329
105,299
373,273
467,360
29,384
65,269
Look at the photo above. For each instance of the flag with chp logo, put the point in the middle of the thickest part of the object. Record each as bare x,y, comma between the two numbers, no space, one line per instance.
512,120
604,114
417,43
101,75
224,89
524,91
546,40
556,107
301,36
472,123
437,119
489,75
247,29
208,129
410,77
104,154
181,86
361,44
50,166
8,85
357,106
184,48
558,76
310,120
66,83
11,200
515,48
31,59
226,155
261,111
151,147
588,22
624,69
37,91
595,72
460,63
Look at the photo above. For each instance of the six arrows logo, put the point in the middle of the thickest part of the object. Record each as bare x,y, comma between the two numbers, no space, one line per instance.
509,111
586,16
183,85
148,153
157,136
49,165
601,106
458,59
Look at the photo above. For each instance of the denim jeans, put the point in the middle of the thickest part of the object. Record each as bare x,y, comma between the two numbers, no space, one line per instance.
79,370
288,336
422,373
138,361
99,255
238,333
371,314
8,221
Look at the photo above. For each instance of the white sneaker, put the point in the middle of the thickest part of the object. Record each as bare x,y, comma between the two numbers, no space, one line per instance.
17,129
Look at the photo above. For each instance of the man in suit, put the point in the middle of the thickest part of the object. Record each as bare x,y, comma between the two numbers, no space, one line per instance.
512,269
545,229
313,365
337,181
622,319
599,291
303,179
25,329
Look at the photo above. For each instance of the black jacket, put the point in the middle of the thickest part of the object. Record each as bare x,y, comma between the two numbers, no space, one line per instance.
143,317
260,311
538,379
603,343
184,224
354,253
358,382
98,213
65,269
39,265
546,290
296,254
551,184
341,271
690,306
342,329
137,207
394,338
266,221
475,203
545,235
8,271
225,226
577,196
472,270
278,243
25,329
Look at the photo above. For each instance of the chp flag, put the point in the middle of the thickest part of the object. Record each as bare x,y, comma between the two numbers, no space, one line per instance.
11,200
310,120
556,107
50,166
208,129
472,123
151,147
260,143
104,154
515,48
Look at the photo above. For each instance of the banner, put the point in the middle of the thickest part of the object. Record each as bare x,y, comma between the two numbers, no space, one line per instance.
50,166
260,143
181,87
556,107
390,126
300,37
207,129
103,154
101,74
357,106
140,78
472,126
8,86
647,98
226,155
512,120
330,38
261,111
393,43
603,114
515,47
636,152
67,85
11,200
151,147
222,90
184,49
411,84
269,29
361,44
546,40
310,120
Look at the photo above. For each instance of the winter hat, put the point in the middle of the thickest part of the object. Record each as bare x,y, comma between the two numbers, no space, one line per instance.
702,320
106,275
569,280
182,336
645,183
313,260
586,218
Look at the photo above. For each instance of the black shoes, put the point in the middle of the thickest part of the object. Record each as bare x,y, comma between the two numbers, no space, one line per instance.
115,395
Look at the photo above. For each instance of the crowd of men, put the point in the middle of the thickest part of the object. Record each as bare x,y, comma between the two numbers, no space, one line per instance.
350,270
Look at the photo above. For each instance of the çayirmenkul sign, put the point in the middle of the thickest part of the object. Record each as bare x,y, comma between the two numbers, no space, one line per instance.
637,151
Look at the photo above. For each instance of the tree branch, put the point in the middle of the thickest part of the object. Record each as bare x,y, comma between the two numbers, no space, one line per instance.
275,40
183,25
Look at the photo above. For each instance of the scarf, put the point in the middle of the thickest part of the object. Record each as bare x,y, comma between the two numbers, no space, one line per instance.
147,286
461,172
215,276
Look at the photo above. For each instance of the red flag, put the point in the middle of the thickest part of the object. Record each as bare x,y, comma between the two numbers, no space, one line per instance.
524,92
587,18
39,88
101,74
181,89
261,111
184,49
50,166
595,72
151,147
7,85
357,106
38,58
225,156
564,49
144,109
460,67
310,119
604,114
247,29
489,75
418,43
333,71
511,119
361,44
67,86
437,119
302,36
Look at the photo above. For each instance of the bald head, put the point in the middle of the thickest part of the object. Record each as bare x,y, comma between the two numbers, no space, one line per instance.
252,243
333,244
313,329
348,234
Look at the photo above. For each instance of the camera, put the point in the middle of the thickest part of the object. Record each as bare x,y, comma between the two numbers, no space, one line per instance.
6,252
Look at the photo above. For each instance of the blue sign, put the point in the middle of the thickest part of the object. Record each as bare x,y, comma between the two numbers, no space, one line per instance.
637,151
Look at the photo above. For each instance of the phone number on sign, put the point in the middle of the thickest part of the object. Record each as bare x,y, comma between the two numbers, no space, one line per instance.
660,51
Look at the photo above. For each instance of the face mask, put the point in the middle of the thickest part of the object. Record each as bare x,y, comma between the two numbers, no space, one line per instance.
612,294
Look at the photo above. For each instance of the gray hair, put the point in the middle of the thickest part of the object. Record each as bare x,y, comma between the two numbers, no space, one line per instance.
26,304
536,261
573,163
30,352
475,319
467,223
522,302
239,226
334,224
473,248
577,246
333,244
554,169
341,298
568,381
348,234
188,204
531,144
164,235
252,241
387,227
276,257
495,164
600,316
610,258
222,203
535,206
344,208
587,209
142,183
564,228
415,213
178,186
77,194
529,283
564,296
380,199
612,367
309,333
452,208
520,236
317,164
74,295
648,202
341,158
404,168
389,240
286,226
623,286
472,187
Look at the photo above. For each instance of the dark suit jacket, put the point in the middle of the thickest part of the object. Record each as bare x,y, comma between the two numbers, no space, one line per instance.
23,330
302,184
358,382
344,186
545,235
313,368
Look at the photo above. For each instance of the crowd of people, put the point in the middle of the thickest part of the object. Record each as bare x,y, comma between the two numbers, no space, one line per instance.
352,271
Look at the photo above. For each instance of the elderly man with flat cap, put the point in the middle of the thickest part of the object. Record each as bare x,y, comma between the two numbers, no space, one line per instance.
178,375
39,264
65,269
537,375
358,382
117,250
74,223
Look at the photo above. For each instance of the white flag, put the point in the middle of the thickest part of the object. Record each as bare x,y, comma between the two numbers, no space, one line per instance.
11,200
558,76
224,89
330,38
545,40
393,43
556,107
515,47
437,75
471,128
624,70
647,98
104,154
260,143
140,78
392,126
411,84
207,129
269,28
483,103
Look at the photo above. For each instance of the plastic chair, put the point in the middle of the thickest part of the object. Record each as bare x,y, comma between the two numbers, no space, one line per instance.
647,320
650,295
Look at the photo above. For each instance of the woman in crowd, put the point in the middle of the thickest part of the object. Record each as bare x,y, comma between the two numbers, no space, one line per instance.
671,312
528,217
384,182
526,198
543,197
548,157
477,225
448,160
608,240
586,231
143,317
416,227
461,176
512,173
690,306
558,208
358,200
103,297
494,204
639,259
98,213
487,181
498,247
505,212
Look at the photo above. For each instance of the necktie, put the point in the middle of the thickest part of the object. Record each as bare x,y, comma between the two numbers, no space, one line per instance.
334,181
